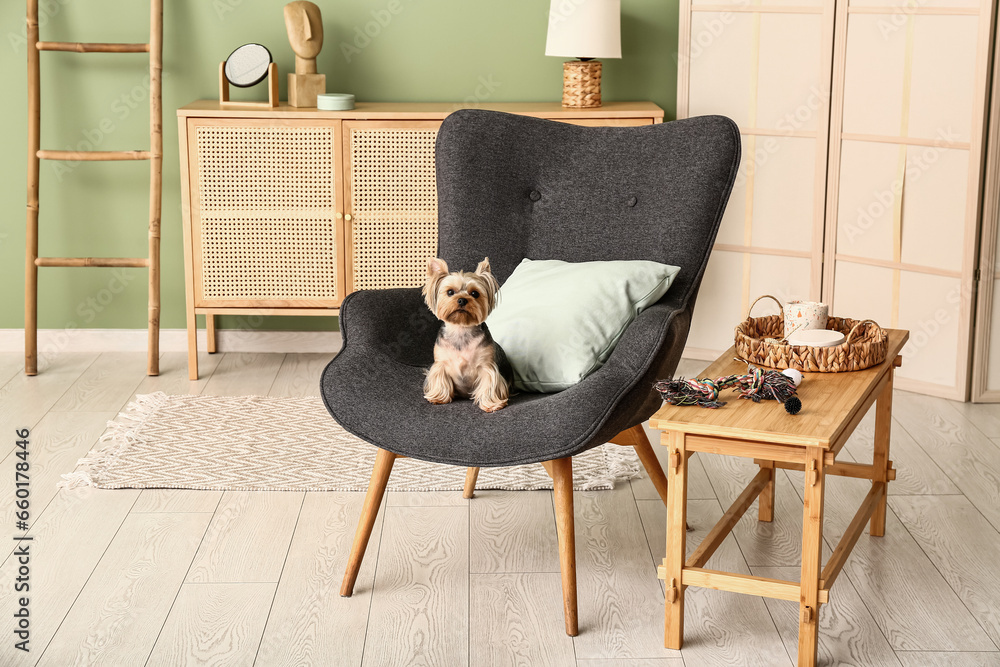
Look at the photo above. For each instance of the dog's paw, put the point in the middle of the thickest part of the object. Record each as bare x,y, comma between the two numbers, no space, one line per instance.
493,407
438,400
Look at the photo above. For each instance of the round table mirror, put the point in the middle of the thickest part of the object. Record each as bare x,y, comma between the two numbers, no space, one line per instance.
247,65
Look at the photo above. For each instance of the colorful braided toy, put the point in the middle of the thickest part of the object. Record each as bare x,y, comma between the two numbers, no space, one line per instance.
756,385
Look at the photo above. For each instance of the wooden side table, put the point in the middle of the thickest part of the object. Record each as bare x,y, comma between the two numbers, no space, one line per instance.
833,405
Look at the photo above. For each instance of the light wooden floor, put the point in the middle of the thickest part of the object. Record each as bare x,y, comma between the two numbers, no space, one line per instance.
195,577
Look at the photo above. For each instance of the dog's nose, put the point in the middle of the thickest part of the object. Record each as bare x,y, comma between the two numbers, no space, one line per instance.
462,302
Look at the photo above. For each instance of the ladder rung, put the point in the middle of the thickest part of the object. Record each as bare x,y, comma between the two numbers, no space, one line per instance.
84,47
92,261
94,156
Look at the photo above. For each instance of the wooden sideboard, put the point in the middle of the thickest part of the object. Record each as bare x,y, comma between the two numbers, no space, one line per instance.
286,211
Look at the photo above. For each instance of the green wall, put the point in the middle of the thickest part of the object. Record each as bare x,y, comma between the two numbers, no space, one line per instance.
430,50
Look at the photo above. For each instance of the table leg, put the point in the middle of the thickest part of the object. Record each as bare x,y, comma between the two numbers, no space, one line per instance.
765,503
812,554
677,467
880,462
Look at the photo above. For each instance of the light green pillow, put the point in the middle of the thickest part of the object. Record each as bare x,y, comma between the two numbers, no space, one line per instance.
558,321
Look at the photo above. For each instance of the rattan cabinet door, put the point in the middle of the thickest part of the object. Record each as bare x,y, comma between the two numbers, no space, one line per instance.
265,198
391,202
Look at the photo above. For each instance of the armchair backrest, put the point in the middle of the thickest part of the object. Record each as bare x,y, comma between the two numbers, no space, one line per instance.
512,187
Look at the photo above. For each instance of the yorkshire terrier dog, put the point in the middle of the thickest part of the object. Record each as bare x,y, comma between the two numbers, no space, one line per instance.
468,363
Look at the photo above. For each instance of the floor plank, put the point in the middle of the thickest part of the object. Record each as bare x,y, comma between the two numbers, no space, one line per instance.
245,374
691,368
926,587
121,610
173,377
177,500
426,499
948,659
720,628
848,635
213,624
307,604
516,619
970,459
11,364
620,598
75,530
106,385
55,445
964,548
512,531
420,607
916,472
300,374
776,543
24,400
906,595
648,662
263,519
984,416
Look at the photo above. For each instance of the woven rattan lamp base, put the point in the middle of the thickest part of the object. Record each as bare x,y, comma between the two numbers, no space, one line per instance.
581,83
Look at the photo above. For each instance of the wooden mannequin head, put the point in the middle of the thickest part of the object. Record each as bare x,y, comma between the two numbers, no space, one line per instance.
305,33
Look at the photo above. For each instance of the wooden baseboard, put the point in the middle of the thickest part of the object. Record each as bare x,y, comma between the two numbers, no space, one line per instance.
172,340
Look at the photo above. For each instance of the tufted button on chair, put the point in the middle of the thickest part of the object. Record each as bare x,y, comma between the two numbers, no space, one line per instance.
682,172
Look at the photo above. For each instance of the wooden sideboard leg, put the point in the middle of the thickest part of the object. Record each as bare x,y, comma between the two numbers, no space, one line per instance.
812,554
210,340
673,623
765,503
880,461
192,332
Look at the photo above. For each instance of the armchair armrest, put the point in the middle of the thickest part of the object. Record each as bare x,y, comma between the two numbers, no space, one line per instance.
396,322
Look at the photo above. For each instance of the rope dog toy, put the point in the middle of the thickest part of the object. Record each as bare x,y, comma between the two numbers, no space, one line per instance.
756,385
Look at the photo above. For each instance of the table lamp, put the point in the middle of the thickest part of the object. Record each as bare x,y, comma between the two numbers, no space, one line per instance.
586,30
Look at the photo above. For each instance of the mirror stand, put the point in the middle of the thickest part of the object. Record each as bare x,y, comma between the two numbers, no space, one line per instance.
272,90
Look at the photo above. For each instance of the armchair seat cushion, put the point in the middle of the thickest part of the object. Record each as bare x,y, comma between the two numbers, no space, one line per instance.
374,389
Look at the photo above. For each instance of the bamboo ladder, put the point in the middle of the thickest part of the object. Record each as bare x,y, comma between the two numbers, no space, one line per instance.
35,154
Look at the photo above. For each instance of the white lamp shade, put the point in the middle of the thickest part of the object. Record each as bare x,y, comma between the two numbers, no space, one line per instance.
585,29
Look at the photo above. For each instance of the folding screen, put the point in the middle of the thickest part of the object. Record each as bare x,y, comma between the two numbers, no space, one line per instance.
766,66
862,124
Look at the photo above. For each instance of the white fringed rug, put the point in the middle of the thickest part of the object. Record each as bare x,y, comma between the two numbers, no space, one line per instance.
256,443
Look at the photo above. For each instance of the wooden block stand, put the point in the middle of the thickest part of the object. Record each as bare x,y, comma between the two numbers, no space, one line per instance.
834,404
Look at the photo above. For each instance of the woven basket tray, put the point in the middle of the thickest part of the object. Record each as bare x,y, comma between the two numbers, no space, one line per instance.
867,344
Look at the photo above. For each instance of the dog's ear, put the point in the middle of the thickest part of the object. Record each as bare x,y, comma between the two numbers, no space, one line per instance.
436,266
492,285
437,269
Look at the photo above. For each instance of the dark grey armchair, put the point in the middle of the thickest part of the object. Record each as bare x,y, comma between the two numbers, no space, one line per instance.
512,187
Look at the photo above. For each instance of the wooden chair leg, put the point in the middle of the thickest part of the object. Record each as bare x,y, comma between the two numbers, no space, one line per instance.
636,437
561,471
471,475
376,489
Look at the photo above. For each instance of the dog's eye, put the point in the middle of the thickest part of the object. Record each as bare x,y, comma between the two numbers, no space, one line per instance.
474,294
451,292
